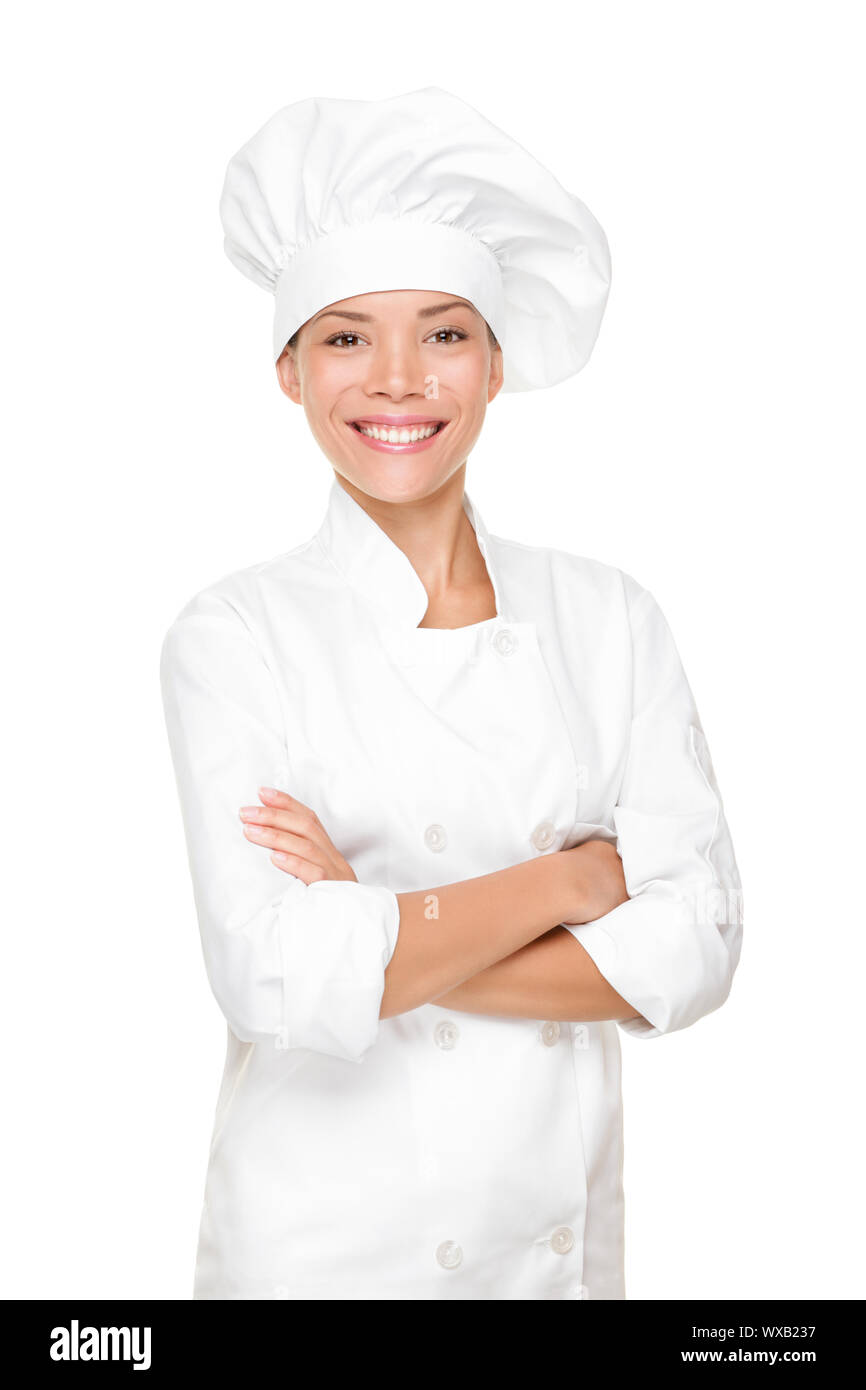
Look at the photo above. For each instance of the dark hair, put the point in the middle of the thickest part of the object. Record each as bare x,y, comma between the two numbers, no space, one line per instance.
293,341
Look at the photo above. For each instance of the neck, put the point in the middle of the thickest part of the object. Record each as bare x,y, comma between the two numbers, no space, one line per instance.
438,539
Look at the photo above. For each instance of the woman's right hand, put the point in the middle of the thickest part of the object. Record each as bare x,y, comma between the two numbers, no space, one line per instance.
595,881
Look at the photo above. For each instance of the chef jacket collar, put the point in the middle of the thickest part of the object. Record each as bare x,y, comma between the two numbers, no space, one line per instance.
376,566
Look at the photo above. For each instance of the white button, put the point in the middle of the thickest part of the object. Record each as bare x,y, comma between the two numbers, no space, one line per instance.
435,838
550,1033
562,1240
577,1291
544,835
448,1254
504,641
446,1034
581,1036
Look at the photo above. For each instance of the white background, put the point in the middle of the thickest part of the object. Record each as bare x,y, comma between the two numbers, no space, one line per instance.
713,448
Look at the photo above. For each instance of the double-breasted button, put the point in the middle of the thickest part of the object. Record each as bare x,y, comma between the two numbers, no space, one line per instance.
504,641
550,1032
435,838
446,1034
544,835
577,1291
562,1239
449,1254
580,1037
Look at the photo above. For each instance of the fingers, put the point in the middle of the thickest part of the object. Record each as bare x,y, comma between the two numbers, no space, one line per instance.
285,812
287,842
296,866
291,830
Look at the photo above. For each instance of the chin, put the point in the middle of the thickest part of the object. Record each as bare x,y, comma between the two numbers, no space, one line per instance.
390,481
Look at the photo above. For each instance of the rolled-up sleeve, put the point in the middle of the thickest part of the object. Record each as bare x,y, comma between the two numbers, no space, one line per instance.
672,949
291,965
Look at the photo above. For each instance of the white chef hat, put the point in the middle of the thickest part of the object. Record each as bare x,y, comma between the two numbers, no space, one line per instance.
333,198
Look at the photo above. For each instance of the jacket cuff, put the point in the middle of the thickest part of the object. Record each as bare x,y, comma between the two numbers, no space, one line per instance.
336,939
671,964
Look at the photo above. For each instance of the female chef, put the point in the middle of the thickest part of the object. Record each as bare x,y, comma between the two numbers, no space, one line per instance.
450,813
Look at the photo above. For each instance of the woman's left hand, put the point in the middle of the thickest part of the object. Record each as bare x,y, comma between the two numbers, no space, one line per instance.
298,841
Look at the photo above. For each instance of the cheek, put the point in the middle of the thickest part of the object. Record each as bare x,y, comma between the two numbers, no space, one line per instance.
467,381
322,391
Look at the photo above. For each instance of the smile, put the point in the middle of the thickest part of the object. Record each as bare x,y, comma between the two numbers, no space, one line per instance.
403,437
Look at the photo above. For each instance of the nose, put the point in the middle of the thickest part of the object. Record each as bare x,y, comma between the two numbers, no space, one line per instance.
395,369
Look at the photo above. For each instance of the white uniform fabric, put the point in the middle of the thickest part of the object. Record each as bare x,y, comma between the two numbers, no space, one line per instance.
437,1154
333,198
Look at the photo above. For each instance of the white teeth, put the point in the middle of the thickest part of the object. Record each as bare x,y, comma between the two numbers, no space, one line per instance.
404,435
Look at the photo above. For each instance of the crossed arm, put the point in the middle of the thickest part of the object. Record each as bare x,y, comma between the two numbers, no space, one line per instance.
552,977
490,945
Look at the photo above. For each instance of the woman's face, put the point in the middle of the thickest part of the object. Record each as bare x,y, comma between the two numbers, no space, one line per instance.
394,359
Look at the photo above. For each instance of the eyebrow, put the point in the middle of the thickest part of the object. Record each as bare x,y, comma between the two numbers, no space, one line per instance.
422,313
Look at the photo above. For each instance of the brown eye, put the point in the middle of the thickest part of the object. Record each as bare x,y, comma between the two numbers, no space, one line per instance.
337,336
455,333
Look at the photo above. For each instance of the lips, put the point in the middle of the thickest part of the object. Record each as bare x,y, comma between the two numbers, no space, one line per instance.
398,433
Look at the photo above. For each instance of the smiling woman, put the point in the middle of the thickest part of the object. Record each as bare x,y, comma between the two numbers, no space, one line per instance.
488,833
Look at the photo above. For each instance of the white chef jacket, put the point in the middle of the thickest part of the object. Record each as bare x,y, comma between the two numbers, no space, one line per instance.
436,1154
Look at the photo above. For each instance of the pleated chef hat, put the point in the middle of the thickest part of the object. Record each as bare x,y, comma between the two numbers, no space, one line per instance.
333,198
